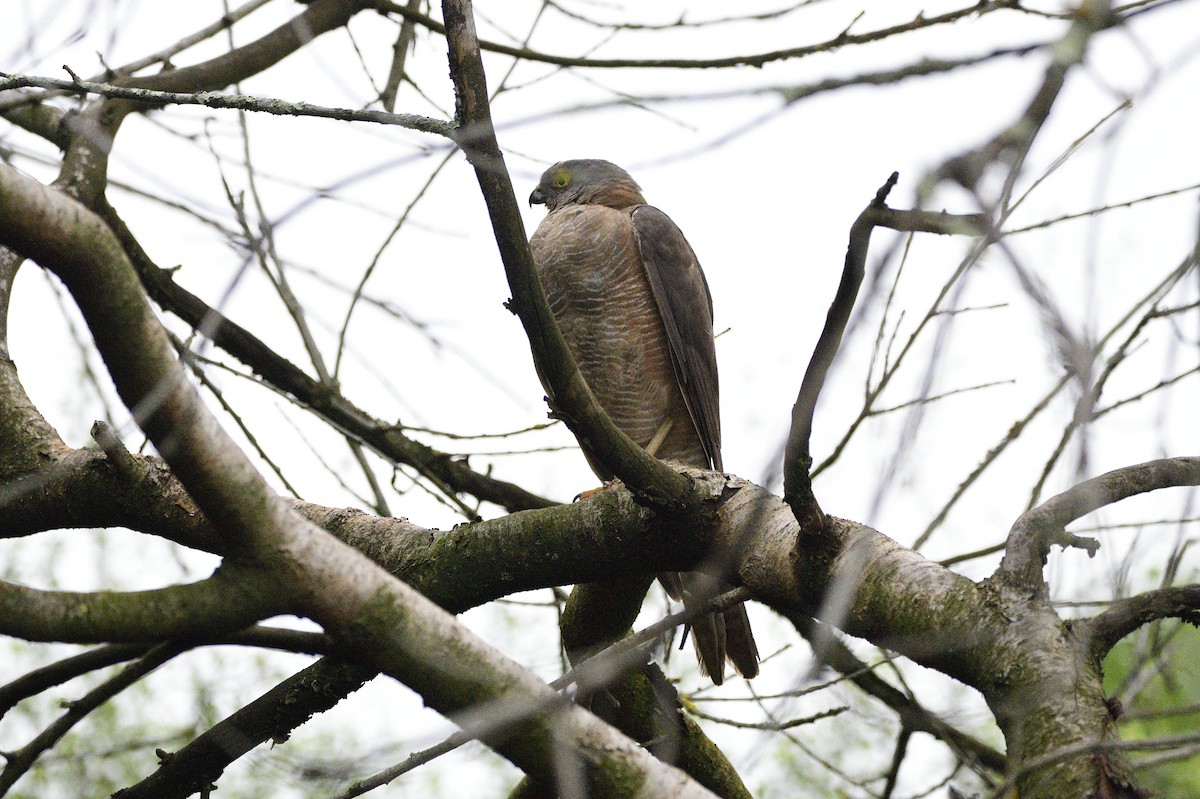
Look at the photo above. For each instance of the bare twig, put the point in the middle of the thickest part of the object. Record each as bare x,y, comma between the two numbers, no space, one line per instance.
242,102
1011,435
61,671
447,473
842,40
404,42
912,714
18,762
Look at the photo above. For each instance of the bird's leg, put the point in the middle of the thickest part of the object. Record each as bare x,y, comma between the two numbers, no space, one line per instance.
588,493
660,436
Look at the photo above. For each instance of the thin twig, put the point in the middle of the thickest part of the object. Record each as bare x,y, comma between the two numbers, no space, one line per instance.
209,99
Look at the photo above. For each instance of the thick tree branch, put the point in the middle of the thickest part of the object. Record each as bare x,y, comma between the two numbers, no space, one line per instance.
226,601
81,489
611,533
459,568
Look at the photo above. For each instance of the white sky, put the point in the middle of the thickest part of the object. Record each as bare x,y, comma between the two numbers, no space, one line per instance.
768,213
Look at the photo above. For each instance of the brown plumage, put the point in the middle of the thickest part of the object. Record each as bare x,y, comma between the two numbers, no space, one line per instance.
631,300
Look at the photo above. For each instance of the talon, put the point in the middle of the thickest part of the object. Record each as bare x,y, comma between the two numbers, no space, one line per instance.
591,492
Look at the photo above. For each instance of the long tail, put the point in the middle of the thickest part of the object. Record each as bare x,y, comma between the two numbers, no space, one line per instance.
716,636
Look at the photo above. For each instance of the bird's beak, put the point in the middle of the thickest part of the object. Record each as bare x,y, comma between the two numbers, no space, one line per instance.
537,198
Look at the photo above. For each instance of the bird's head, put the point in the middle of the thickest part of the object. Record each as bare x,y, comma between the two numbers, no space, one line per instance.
584,181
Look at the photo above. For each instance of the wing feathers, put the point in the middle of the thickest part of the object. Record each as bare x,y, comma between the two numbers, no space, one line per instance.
685,305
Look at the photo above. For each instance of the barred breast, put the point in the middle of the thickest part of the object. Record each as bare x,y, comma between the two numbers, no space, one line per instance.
591,269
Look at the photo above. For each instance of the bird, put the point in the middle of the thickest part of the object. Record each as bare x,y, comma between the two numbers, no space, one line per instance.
626,289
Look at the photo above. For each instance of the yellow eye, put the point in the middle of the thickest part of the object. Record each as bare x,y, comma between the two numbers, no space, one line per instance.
561,180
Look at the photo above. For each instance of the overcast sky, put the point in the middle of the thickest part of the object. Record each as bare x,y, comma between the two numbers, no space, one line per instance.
765,193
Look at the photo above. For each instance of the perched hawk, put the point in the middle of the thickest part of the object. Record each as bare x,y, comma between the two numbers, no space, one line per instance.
632,302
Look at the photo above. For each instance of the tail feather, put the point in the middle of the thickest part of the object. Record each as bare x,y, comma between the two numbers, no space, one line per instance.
673,583
716,636
708,637
739,642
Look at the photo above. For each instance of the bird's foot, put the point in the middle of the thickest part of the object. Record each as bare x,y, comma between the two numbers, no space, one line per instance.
591,492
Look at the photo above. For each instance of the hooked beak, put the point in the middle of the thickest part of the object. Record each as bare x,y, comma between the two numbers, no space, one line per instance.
537,198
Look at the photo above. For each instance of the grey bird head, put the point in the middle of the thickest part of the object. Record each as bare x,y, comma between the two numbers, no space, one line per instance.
587,180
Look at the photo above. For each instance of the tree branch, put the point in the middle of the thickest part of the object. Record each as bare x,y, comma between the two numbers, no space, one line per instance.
61,671
912,714
225,601
458,568
18,762
1103,631
85,166
253,58
1013,143
271,717
1032,535
240,102
753,60
797,461
404,42
797,480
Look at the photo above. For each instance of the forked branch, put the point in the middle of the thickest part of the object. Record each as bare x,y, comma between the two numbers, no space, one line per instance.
797,481
1032,535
